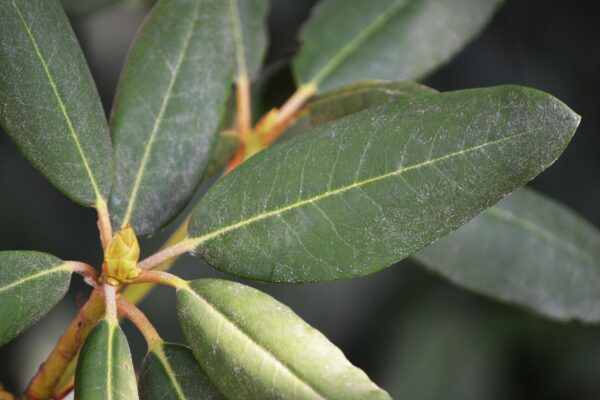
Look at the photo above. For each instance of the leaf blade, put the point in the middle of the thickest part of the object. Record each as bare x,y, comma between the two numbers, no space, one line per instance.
105,369
53,111
306,364
426,153
358,96
26,277
172,373
184,51
248,21
345,41
538,253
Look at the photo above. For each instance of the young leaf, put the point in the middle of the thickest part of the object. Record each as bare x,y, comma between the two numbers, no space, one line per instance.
167,111
253,347
172,373
359,96
361,193
528,250
248,24
50,107
31,283
105,370
350,40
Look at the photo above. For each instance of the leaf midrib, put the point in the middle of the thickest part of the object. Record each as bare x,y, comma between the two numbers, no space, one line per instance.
159,119
355,42
197,241
538,231
109,356
64,267
162,357
240,48
63,109
240,331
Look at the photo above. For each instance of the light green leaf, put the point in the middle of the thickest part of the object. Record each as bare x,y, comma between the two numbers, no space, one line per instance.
253,347
171,372
358,96
31,283
350,40
104,369
363,192
249,27
50,107
168,109
528,250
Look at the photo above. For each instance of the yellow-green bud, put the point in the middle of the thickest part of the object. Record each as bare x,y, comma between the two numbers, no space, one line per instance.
122,255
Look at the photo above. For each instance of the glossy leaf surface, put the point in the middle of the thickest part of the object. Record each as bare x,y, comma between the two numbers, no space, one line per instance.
361,193
254,347
351,40
249,26
105,370
168,109
50,107
172,373
528,250
31,283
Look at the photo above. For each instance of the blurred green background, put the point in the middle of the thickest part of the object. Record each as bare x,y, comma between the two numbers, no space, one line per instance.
414,334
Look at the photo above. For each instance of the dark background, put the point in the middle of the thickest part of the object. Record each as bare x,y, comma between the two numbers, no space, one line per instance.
415,334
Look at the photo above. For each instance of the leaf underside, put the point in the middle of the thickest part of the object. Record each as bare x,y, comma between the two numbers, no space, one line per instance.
361,193
31,284
168,109
254,347
50,107
350,40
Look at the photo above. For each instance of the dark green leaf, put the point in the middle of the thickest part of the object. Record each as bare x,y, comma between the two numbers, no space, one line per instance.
248,22
104,369
31,284
528,250
329,106
168,109
253,347
359,96
361,193
350,40
50,107
223,150
171,372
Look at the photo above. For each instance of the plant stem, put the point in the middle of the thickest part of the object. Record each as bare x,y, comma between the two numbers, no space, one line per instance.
135,293
110,298
269,129
244,108
104,225
139,319
159,277
185,246
285,115
89,273
44,382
